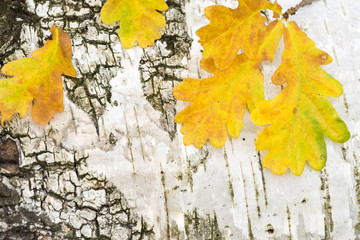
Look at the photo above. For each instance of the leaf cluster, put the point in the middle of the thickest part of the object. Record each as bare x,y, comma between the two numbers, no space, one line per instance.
299,117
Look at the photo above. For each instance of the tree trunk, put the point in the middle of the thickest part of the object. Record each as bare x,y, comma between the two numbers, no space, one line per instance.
113,166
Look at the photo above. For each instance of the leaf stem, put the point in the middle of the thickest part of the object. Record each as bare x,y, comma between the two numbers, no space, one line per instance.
293,10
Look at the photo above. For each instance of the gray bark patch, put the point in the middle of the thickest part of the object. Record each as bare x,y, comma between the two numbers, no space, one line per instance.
54,195
202,226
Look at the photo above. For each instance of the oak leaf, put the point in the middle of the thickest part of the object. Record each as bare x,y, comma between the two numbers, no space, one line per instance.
37,79
139,20
233,29
219,102
301,115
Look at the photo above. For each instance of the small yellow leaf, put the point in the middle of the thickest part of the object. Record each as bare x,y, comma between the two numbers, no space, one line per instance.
139,20
233,29
219,102
301,115
39,79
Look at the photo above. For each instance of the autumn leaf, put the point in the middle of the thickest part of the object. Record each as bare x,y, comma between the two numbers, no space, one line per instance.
139,20
301,115
219,102
233,29
39,79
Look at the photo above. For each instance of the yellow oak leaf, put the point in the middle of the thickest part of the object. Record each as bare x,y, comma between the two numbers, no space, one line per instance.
233,29
219,102
139,20
301,115
39,79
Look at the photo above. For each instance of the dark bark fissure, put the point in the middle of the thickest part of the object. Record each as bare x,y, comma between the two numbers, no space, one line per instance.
13,15
54,196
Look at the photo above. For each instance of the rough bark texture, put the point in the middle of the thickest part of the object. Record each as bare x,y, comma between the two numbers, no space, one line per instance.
113,166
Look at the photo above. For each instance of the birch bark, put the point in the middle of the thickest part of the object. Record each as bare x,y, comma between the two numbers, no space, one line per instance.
113,166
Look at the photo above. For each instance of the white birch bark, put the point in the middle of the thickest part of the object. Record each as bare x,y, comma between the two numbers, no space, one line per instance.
113,166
